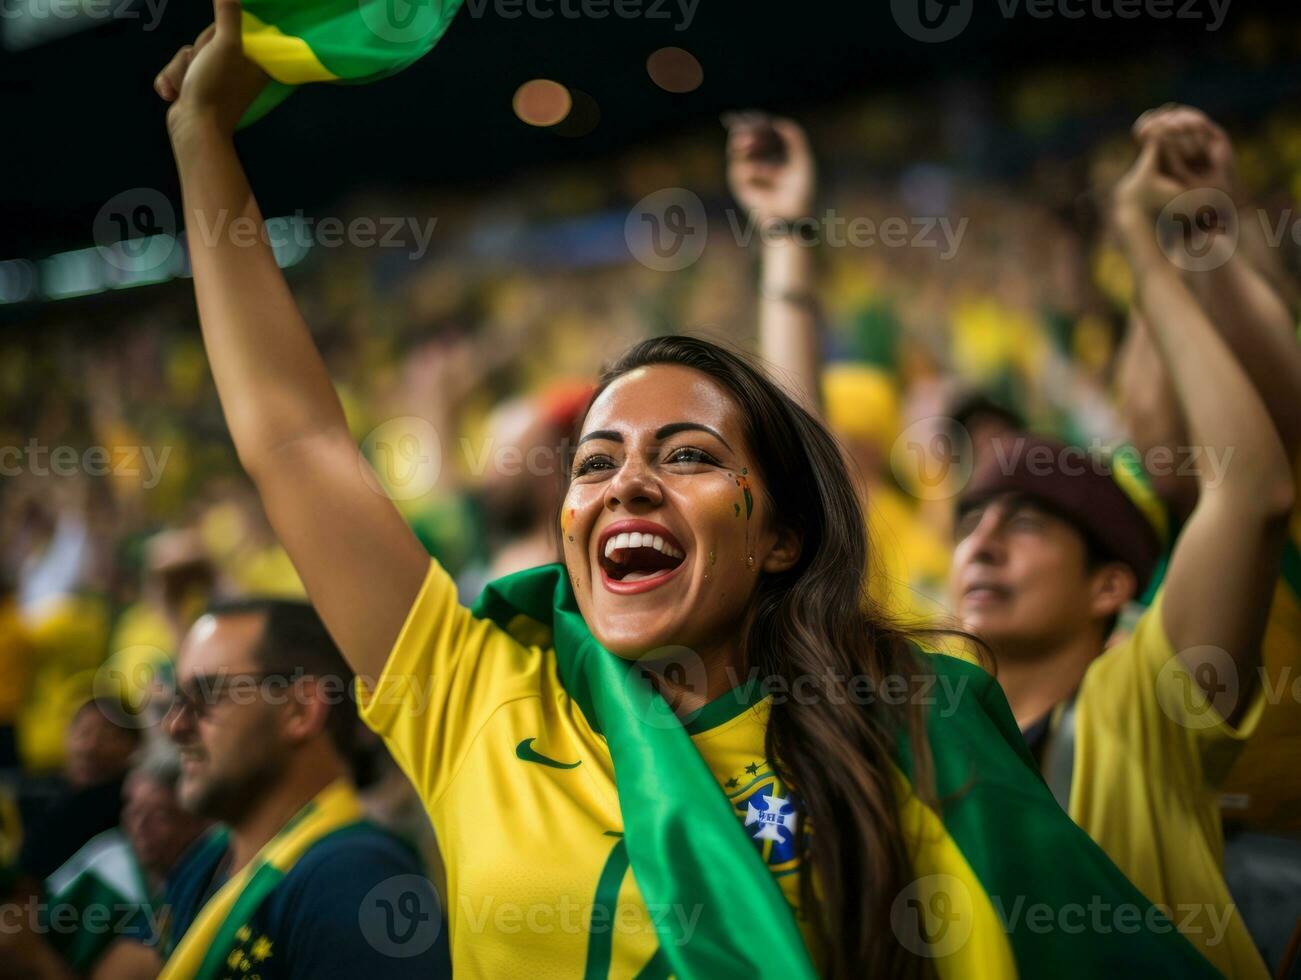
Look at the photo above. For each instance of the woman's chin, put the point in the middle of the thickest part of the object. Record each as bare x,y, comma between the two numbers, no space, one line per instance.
650,644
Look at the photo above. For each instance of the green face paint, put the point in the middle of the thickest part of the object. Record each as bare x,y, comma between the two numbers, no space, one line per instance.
744,484
712,556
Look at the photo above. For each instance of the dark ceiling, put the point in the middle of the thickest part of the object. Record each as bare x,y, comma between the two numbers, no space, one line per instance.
81,122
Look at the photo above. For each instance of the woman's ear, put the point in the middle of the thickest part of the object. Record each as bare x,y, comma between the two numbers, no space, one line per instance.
785,551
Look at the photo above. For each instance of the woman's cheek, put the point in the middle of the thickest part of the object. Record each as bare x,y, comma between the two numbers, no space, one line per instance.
577,520
731,513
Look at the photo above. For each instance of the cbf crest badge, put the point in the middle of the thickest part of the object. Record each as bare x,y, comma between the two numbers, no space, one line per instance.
768,812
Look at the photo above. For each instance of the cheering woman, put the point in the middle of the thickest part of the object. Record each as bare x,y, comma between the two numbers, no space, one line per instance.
687,750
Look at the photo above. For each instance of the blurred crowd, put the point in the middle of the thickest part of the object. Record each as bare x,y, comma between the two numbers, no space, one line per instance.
124,512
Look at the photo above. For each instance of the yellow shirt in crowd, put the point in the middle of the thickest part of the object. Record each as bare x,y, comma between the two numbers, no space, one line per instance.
1150,753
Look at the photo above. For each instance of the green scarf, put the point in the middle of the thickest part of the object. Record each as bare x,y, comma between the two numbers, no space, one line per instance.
201,953
688,850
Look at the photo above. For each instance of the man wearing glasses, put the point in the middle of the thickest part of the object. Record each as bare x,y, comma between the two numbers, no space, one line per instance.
294,883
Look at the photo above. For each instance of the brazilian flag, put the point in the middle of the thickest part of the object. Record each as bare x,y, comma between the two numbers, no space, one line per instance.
349,41
999,846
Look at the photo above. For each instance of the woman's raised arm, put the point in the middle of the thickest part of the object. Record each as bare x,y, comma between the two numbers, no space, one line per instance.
361,564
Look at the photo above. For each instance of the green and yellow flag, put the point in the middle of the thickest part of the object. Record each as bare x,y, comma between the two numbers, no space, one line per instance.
1035,896
349,41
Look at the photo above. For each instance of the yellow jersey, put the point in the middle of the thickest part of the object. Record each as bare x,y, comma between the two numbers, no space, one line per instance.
1150,753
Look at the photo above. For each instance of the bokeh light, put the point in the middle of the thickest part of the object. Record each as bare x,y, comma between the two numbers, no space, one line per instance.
542,102
675,70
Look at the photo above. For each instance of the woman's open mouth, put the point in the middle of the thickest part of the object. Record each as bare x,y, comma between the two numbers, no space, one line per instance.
637,556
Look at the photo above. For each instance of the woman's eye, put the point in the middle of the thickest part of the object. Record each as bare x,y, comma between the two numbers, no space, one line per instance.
698,456
592,463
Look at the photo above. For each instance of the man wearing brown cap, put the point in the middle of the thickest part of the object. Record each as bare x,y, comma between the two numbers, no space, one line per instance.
1050,549
1053,543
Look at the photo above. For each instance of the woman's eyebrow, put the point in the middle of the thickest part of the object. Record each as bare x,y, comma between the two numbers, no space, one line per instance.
609,434
664,431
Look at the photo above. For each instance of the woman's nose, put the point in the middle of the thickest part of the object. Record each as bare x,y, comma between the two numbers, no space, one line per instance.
634,484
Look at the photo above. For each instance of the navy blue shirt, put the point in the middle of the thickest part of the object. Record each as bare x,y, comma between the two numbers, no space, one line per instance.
357,904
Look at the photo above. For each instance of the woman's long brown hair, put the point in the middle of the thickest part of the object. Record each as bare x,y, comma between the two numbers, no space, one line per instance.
817,621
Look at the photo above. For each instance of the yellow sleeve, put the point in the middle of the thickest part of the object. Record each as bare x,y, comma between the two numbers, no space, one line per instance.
1143,691
446,676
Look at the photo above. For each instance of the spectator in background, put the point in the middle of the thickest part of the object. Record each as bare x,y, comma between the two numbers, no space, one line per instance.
99,744
522,487
263,721
109,890
1239,280
1049,553
772,174
1134,741
985,421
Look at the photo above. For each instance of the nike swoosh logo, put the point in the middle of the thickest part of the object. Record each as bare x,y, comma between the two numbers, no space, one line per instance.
525,751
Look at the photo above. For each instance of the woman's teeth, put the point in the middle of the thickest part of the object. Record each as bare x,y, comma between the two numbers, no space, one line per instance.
636,539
